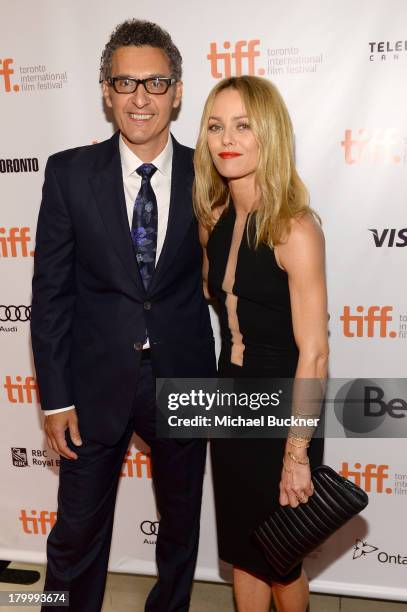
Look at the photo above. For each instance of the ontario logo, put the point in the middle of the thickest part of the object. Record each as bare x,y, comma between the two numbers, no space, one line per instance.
18,79
363,549
229,58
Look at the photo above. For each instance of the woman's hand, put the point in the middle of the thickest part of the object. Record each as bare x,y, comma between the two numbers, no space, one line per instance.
296,485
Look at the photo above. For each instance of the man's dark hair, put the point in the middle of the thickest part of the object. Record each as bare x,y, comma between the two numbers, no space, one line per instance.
139,33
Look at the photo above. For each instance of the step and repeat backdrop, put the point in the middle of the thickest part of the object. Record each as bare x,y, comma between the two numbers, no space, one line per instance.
341,68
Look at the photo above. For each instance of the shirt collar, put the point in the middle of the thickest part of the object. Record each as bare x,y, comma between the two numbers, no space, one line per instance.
130,161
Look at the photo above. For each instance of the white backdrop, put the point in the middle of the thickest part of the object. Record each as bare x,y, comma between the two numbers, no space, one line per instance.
341,68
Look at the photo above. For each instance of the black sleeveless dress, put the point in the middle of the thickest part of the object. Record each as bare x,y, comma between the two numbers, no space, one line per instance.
257,342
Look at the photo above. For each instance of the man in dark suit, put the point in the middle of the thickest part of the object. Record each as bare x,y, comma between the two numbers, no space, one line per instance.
118,301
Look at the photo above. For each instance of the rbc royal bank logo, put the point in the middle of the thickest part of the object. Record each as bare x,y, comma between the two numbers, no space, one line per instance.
235,60
19,456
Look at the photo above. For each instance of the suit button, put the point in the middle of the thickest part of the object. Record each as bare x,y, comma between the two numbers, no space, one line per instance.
147,305
138,346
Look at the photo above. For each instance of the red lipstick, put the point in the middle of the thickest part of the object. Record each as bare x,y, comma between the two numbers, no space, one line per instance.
229,154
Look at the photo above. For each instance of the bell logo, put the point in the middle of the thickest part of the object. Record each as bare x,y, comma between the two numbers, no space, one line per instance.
371,146
37,524
137,466
20,392
16,243
6,72
361,325
226,61
364,478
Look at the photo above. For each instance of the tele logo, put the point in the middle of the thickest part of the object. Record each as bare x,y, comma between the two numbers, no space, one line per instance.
136,465
15,244
240,60
20,392
37,522
371,325
365,477
387,236
371,146
6,71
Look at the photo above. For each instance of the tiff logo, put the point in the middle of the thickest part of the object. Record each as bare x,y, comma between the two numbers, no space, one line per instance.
6,72
241,60
138,466
35,525
371,146
16,243
22,393
361,325
364,478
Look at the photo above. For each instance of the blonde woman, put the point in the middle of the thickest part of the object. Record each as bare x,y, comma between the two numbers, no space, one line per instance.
264,262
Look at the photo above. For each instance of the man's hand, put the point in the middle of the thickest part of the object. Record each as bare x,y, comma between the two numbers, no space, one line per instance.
55,427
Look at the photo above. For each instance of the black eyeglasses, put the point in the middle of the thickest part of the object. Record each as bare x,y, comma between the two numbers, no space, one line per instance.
153,85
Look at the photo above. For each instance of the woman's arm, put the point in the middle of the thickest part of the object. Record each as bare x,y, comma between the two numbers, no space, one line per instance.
203,238
303,257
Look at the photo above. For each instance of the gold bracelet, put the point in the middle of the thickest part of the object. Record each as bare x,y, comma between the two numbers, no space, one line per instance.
299,438
306,445
297,459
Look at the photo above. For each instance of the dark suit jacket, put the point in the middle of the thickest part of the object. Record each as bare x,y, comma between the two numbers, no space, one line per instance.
90,309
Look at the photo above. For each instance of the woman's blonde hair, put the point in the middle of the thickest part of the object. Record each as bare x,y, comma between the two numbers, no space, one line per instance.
283,195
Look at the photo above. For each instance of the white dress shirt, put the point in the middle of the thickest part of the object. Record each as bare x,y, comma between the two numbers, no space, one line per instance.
161,184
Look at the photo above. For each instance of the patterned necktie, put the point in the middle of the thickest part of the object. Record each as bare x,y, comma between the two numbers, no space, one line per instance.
144,224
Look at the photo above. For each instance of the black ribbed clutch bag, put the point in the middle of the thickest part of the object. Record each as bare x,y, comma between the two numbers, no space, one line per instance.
290,534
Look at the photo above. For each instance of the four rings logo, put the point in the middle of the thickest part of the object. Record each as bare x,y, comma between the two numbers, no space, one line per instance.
150,527
15,313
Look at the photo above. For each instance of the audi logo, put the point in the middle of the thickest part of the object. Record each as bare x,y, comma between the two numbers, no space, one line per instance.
15,313
149,527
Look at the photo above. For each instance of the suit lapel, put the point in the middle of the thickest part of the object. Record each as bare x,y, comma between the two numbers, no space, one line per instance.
107,186
180,213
